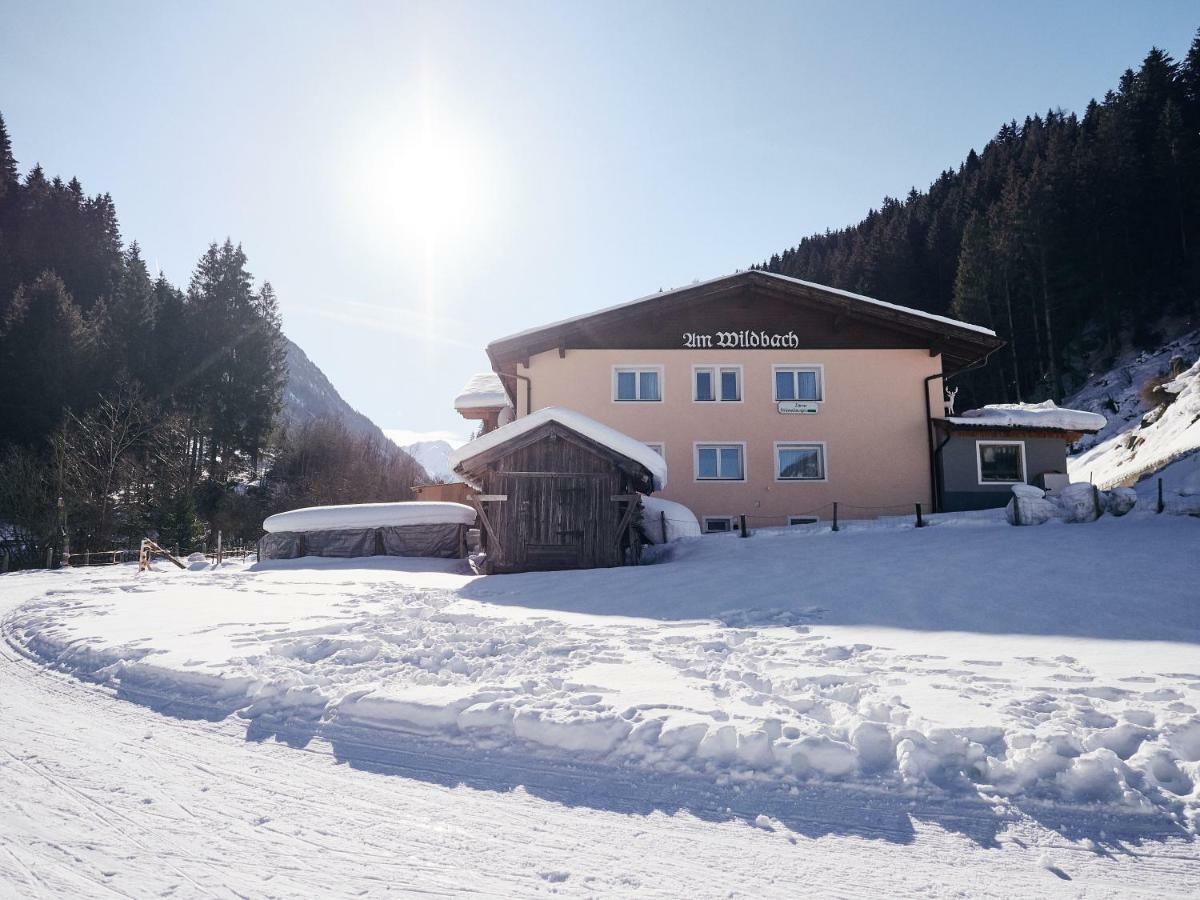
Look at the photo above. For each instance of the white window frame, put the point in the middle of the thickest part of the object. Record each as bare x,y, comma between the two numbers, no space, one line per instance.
657,446
779,445
979,444
638,369
803,520
716,369
719,445
819,368
732,520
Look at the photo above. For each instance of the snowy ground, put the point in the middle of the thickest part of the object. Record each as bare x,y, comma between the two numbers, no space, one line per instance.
1144,434
798,712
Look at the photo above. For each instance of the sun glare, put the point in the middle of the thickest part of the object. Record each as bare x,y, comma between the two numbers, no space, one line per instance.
424,180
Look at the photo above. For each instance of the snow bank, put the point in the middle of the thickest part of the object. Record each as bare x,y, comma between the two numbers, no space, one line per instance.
482,391
608,437
896,657
1149,430
680,521
369,515
1076,502
1031,415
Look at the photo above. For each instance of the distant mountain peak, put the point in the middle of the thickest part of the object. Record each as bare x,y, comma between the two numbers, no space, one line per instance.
434,457
308,395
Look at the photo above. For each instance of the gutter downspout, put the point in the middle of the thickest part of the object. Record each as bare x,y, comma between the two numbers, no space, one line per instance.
528,388
935,452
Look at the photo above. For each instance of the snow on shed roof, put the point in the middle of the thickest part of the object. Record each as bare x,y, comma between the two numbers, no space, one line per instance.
483,391
809,284
1030,415
369,515
614,440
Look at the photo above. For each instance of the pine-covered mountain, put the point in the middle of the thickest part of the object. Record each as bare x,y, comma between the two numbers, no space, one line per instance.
308,395
149,407
1075,237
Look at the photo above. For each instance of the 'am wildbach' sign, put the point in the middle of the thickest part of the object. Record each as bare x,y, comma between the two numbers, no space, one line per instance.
740,340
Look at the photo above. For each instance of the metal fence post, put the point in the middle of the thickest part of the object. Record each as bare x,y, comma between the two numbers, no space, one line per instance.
1159,508
920,521
835,521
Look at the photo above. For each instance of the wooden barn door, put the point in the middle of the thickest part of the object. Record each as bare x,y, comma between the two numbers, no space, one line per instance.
547,512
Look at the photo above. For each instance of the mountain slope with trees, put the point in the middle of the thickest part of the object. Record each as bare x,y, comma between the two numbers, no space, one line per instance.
1073,236
308,396
149,409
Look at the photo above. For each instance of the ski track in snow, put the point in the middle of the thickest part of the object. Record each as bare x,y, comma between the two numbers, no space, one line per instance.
109,799
174,795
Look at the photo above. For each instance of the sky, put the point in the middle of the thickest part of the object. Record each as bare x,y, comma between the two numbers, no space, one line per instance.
418,179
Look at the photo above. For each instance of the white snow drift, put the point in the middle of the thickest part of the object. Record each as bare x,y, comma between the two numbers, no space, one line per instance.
1032,415
1149,430
1056,664
482,391
369,515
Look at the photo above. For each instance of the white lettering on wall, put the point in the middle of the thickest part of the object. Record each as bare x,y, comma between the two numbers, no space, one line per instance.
741,340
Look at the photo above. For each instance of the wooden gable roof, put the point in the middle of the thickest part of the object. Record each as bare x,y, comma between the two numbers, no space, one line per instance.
474,467
821,317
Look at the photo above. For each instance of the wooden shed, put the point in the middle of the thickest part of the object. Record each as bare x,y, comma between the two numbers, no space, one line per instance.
558,491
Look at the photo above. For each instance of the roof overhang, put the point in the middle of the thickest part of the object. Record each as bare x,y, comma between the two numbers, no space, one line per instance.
1002,432
958,343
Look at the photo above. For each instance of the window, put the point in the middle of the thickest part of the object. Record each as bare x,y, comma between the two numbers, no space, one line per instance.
720,462
803,520
718,524
717,383
1000,462
799,383
800,462
637,385
657,447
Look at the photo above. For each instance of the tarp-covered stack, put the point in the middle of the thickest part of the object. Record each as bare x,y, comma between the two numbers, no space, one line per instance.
369,529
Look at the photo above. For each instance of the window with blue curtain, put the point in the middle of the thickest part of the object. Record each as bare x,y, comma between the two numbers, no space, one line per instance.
719,462
797,384
638,384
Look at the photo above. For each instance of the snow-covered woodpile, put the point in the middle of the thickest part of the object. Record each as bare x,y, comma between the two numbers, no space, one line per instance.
368,529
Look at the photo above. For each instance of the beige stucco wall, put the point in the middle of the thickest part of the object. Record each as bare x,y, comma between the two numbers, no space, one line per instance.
872,421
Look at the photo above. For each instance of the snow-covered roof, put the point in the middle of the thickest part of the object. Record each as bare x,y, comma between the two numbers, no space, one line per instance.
482,391
809,284
614,440
1030,415
369,515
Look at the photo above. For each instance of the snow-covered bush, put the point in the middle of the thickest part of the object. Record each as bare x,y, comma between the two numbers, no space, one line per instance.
1079,502
1029,506
1121,500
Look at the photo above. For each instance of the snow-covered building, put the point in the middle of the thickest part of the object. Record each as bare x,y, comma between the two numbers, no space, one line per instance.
483,398
767,396
982,453
559,490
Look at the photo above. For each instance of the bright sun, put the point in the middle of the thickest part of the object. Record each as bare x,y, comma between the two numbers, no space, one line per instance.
424,179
